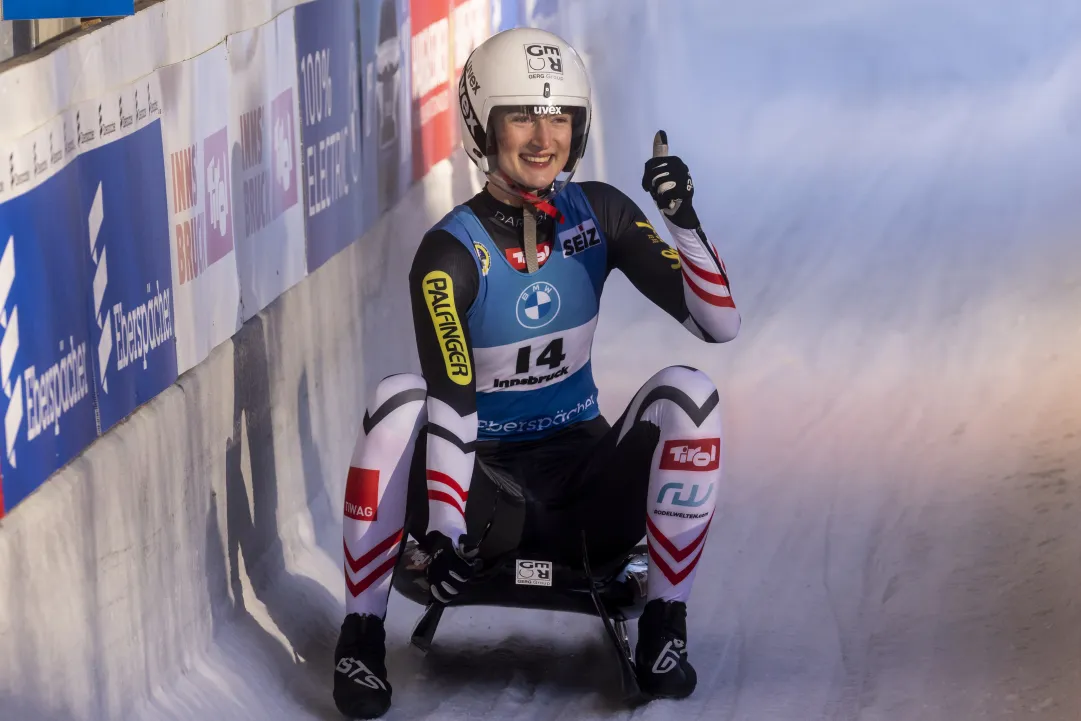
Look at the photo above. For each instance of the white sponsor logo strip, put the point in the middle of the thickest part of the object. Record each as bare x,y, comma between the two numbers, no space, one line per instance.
535,362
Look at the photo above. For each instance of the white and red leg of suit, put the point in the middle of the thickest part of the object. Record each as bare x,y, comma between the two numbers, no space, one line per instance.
684,482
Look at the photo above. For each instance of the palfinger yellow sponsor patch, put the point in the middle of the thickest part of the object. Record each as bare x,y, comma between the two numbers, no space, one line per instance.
439,295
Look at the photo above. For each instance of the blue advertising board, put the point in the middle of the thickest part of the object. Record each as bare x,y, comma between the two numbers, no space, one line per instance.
123,196
39,9
328,72
46,354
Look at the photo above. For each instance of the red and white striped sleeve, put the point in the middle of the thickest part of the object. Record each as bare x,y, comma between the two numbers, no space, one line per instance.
713,313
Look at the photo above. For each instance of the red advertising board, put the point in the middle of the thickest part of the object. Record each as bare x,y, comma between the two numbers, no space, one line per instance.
470,24
432,95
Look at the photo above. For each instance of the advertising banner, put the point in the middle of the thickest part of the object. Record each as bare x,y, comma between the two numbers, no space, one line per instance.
433,101
328,72
268,220
470,23
388,141
202,220
34,158
123,201
46,354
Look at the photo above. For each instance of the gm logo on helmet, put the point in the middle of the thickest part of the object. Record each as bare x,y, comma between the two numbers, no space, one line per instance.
543,58
538,305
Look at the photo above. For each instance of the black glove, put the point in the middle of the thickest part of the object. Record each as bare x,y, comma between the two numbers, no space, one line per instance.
451,566
668,180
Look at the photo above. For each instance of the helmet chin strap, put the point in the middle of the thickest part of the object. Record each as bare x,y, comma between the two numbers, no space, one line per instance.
529,216
506,184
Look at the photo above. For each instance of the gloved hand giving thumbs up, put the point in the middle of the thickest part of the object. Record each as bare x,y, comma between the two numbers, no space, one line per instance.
668,179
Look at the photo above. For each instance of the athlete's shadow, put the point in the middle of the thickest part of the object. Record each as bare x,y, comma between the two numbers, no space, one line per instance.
265,595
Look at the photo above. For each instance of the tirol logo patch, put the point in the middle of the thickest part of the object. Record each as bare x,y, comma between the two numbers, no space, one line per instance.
538,305
362,494
695,455
579,238
516,256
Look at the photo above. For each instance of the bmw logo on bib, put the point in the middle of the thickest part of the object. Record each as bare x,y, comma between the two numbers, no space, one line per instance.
538,305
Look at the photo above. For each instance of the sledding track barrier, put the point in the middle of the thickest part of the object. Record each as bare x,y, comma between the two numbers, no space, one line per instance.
207,213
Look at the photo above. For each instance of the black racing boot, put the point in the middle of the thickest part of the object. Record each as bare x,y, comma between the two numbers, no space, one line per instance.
660,657
361,689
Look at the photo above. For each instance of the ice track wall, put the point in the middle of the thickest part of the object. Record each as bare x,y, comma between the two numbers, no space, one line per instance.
115,571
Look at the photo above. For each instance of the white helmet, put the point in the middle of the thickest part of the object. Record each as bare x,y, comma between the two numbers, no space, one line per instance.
522,67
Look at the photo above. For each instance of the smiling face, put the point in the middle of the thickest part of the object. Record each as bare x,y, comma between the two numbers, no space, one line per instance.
533,148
